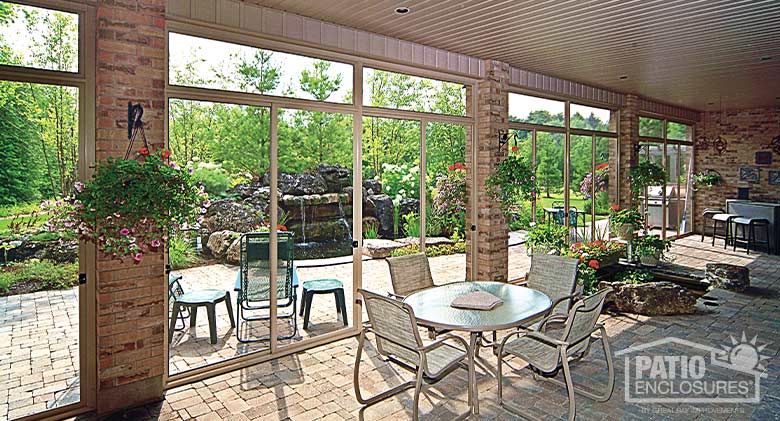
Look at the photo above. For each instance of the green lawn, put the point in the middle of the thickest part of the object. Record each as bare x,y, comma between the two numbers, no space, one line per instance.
579,203
6,222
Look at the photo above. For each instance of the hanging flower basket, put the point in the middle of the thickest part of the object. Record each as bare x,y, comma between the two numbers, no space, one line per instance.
132,206
646,174
512,182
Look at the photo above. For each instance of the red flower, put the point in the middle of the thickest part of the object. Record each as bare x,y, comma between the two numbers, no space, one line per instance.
615,208
166,154
594,264
602,166
144,151
515,149
281,227
582,259
451,168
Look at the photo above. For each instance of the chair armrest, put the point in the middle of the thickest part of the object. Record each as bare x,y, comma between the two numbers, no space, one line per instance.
559,301
395,296
442,341
551,320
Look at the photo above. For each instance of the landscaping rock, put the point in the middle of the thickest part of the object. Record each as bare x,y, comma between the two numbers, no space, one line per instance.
726,276
220,242
409,205
380,206
226,214
336,177
429,241
300,184
233,255
61,252
651,299
22,250
372,186
379,248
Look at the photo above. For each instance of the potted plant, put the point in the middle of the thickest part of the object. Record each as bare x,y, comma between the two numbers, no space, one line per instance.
646,174
544,238
131,207
650,249
707,179
623,222
513,181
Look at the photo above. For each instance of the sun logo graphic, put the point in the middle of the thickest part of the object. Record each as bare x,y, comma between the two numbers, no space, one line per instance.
675,370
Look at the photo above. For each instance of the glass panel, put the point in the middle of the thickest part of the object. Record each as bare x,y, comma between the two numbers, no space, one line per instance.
535,110
315,184
526,213
591,118
549,171
405,92
651,201
678,131
673,167
39,293
581,190
445,177
650,127
205,63
604,184
686,193
39,38
227,147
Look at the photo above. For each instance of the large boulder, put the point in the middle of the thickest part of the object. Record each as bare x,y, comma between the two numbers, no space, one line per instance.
18,250
220,241
336,177
379,248
372,186
651,298
226,214
300,184
233,254
408,205
380,206
726,276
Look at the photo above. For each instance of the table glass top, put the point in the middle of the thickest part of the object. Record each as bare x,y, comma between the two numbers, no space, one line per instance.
432,306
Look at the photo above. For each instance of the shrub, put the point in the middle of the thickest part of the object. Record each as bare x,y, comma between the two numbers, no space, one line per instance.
400,181
449,201
42,274
545,237
634,276
11,210
212,177
431,251
649,245
181,253
522,216
411,225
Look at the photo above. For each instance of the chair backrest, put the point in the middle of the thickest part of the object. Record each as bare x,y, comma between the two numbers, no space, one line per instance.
410,273
394,325
255,266
559,216
555,276
573,216
583,316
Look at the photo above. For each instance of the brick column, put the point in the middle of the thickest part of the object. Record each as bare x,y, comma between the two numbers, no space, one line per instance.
492,234
628,139
131,299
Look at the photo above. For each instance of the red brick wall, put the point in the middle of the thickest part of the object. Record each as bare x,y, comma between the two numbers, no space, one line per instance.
628,139
131,307
746,132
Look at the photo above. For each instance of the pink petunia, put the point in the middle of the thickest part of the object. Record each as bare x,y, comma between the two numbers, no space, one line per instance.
124,231
155,243
138,256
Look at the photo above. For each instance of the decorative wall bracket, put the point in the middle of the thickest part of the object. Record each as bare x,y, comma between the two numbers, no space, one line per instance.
134,126
504,137
774,144
702,143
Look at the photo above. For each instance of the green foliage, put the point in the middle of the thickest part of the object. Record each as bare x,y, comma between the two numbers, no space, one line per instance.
645,174
619,217
522,216
22,208
586,276
371,231
400,181
707,178
431,251
650,245
181,253
449,201
545,237
411,225
212,177
43,274
634,276
512,181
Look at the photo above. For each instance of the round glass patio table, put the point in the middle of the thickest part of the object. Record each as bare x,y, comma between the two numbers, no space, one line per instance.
520,304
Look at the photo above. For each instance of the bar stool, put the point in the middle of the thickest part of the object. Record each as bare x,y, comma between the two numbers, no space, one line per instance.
708,213
725,219
749,237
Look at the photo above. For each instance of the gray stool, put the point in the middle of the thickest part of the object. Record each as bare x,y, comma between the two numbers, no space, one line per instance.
207,298
725,220
323,286
748,227
708,214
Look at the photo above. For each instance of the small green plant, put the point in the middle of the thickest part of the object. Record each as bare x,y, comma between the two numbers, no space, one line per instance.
646,174
213,178
545,237
707,179
38,275
396,219
513,181
586,276
634,276
411,225
371,231
181,253
431,251
6,247
23,209
650,245
620,217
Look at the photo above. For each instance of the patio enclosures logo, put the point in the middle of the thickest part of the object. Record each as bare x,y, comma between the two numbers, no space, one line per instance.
674,370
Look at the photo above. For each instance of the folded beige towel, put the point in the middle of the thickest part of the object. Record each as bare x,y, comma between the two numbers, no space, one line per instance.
478,300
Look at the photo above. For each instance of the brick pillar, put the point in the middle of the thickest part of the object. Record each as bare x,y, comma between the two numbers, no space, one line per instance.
628,139
492,234
131,299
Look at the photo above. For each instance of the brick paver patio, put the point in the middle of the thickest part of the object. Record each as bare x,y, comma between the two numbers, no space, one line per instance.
317,384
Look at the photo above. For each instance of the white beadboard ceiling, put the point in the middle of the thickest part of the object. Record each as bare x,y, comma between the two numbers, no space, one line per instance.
701,54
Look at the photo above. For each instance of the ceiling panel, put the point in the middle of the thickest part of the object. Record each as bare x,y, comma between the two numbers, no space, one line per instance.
701,54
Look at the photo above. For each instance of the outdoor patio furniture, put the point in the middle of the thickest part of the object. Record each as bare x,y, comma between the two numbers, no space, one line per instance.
747,226
254,281
556,277
547,354
175,290
208,298
432,308
722,221
397,338
409,274
323,286
708,214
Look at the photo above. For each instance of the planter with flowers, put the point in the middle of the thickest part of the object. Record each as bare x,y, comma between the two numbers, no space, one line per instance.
623,222
513,181
131,207
650,249
594,255
644,175
707,179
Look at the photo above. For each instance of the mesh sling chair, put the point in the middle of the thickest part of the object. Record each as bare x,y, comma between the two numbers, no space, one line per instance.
410,274
547,354
556,277
398,339
255,274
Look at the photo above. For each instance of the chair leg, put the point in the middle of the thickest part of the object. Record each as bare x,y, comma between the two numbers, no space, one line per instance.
417,388
342,305
569,385
174,316
307,302
211,313
230,309
304,298
356,379
193,316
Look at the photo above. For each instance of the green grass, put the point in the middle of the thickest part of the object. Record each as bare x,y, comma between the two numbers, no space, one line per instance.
39,275
11,210
578,202
5,223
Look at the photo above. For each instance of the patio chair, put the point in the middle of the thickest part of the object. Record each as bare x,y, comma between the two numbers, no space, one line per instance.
547,354
409,274
255,283
397,338
556,277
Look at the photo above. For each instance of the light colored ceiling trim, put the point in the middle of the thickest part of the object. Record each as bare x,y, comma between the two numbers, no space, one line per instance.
650,106
537,81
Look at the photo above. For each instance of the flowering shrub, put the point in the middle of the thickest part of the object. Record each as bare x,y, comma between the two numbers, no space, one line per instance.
592,256
513,181
602,173
449,201
400,181
132,207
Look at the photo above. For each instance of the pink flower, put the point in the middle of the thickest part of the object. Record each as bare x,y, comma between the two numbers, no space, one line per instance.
138,256
533,178
124,231
79,186
155,243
